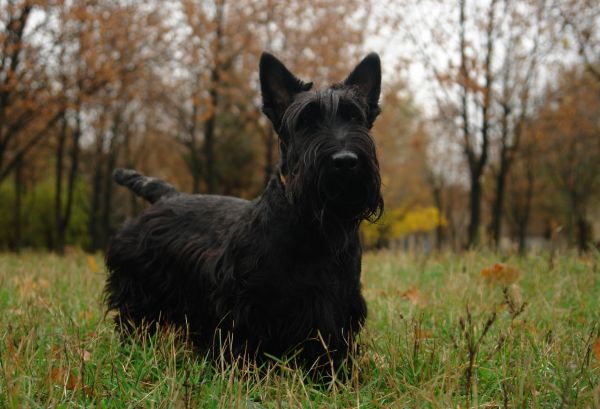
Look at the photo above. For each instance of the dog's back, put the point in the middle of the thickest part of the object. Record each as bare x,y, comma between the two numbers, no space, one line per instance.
164,257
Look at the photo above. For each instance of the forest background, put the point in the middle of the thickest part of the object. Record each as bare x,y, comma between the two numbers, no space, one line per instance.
489,136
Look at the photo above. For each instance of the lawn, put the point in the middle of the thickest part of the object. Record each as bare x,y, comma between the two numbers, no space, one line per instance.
443,331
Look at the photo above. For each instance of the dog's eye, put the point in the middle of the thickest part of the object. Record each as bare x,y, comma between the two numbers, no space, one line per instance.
350,113
308,117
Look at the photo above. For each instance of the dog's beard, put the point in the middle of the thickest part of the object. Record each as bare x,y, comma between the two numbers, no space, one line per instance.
336,199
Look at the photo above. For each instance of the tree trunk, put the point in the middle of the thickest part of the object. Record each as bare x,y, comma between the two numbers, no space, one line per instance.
498,205
130,164
439,230
524,221
476,161
94,215
582,234
209,125
72,177
209,152
194,151
59,244
18,205
475,210
11,50
107,191
63,216
521,209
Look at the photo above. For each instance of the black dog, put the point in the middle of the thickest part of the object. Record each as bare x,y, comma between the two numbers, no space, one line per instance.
277,275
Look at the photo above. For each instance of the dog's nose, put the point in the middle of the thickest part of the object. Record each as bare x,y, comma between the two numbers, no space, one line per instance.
345,160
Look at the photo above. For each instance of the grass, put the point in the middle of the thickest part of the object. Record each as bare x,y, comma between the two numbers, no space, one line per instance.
439,335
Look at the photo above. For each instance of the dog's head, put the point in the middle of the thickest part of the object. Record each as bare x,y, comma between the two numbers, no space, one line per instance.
328,157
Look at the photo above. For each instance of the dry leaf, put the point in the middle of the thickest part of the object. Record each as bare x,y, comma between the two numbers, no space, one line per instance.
501,273
91,262
10,345
422,334
28,286
85,355
56,375
72,382
61,377
413,295
379,360
16,311
596,349
85,315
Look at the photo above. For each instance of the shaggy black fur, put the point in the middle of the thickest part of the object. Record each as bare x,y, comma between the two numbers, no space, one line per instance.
277,275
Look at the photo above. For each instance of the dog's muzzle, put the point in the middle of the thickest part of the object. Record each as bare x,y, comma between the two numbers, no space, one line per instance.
344,188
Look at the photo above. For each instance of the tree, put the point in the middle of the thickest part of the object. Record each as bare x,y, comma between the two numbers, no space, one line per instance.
521,185
569,122
222,43
117,35
582,18
464,71
522,46
28,107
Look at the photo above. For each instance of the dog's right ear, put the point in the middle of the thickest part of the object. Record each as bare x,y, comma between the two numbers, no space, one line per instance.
278,86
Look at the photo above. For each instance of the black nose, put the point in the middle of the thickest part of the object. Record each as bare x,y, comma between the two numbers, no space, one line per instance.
345,160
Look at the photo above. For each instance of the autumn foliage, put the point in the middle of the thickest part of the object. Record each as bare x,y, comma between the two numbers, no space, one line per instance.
488,134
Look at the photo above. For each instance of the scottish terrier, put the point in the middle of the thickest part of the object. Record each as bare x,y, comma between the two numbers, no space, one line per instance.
279,275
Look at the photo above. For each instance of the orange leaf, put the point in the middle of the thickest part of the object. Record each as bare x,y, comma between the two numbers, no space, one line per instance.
72,382
501,273
413,295
596,349
91,262
61,377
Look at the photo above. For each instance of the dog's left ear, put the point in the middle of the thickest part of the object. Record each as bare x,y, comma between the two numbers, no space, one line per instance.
278,87
366,76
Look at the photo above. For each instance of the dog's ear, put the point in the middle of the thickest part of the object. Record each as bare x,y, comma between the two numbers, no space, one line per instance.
366,76
278,87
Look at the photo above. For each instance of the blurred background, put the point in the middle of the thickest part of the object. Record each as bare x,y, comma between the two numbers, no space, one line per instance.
489,136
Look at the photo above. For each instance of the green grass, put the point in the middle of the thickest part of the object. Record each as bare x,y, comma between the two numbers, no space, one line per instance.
438,335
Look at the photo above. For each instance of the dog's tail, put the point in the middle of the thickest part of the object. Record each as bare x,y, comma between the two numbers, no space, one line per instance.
151,189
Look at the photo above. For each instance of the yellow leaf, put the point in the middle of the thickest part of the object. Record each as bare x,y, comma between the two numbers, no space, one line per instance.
91,261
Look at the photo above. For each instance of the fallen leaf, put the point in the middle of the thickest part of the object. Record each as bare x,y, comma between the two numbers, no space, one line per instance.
72,382
379,360
91,262
85,355
10,345
86,315
62,377
16,311
421,334
56,375
413,295
596,349
26,286
43,283
501,273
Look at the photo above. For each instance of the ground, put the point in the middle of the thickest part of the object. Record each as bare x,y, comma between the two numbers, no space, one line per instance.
443,331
